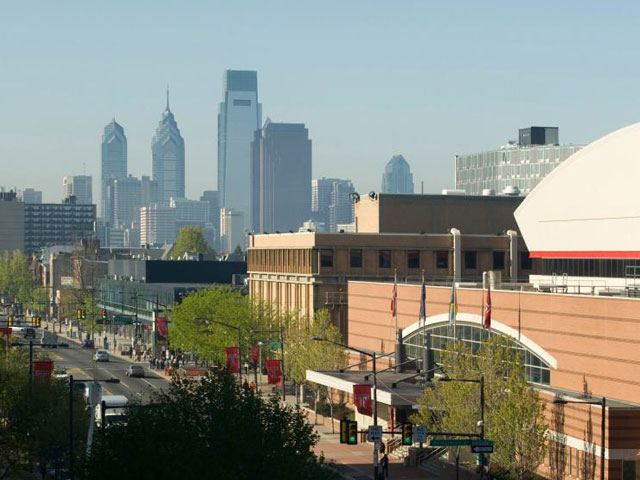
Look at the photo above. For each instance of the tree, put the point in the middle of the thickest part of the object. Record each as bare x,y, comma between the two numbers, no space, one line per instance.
15,277
190,240
238,252
213,428
514,412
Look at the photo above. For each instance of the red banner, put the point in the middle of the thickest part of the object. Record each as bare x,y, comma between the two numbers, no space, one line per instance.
161,326
233,359
362,399
255,353
42,369
274,372
6,331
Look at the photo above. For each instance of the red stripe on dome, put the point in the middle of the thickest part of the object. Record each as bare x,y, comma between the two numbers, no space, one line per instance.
613,254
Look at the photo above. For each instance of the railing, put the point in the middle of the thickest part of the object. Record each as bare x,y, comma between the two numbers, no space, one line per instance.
336,298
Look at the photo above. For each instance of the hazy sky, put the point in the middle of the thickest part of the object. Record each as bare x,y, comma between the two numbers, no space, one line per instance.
427,79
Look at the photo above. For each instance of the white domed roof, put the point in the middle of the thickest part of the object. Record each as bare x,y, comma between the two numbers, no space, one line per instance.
588,207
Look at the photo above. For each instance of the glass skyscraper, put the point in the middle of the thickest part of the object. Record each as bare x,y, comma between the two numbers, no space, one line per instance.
167,148
114,163
239,117
397,177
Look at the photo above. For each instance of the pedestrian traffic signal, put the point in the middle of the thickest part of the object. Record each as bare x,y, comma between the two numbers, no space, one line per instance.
407,434
352,433
10,320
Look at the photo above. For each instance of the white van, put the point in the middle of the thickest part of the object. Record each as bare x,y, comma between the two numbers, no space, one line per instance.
115,410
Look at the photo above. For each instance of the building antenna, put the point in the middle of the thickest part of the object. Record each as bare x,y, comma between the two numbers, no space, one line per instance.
422,187
167,97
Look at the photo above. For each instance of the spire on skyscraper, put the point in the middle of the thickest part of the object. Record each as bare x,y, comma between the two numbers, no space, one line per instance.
167,98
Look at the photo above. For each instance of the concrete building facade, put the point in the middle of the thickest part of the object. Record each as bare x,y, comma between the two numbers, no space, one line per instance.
49,224
157,224
80,186
11,223
232,233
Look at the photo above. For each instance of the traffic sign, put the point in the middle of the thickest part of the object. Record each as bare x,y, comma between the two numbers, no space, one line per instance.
419,434
374,434
449,442
482,448
483,443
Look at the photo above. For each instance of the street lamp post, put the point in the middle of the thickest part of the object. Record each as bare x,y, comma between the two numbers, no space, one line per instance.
209,320
371,354
481,382
603,405
281,332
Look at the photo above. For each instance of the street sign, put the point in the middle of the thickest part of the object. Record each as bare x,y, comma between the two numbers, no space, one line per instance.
419,434
482,448
374,434
483,443
122,320
449,442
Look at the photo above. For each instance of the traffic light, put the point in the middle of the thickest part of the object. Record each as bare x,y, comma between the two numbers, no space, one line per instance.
104,315
407,434
10,320
83,314
38,321
35,321
352,433
79,314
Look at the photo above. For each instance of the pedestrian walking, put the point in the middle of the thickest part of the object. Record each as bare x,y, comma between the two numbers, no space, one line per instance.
384,463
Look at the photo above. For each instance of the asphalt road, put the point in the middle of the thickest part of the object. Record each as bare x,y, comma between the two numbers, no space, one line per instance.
79,363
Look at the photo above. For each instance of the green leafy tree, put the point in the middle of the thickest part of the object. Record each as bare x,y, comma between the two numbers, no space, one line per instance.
190,240
514,412
211,428
15,276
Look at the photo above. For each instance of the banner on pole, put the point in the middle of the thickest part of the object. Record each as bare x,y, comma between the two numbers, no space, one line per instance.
233,359
255,353
6,331
161,326
362,399
274,371
42,369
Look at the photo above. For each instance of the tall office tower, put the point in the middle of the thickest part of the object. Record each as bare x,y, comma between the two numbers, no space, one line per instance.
212,197
127,200
231,230
149,191
114,162
330,203
239,117
397,177
157,224
167,148
282,176
80,186
29,195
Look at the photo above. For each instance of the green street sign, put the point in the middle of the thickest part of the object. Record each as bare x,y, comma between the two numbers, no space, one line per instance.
450,442
122,320
482,443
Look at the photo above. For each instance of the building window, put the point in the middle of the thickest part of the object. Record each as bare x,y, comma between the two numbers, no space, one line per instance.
355,258
384,258
241,103
525,261
326,257
442,259
470,259
498,260
413,259
628,470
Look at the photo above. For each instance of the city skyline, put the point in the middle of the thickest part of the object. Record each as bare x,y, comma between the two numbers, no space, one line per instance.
451,84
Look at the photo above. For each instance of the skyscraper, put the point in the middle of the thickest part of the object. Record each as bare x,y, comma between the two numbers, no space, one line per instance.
330,203
80,186
114,162
282,176
231,230
239,117
212,197
127,200
29,195
397,177
167,148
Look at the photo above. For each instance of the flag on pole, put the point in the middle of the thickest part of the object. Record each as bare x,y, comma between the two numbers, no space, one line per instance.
394,298
423,301
453,307
487,310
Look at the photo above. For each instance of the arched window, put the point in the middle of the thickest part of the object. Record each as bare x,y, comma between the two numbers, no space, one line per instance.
536,369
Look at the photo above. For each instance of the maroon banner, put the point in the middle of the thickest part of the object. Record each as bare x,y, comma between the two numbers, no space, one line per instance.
487,310
42,369
233,359
362,399
161,326
6,331
274,372
255,353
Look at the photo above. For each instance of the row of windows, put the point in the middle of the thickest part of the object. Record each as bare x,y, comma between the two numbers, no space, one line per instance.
592,267
413,259
536,369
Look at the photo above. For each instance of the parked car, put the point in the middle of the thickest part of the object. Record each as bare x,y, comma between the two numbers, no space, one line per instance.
28,332
135,371
60,372
49,339
101,356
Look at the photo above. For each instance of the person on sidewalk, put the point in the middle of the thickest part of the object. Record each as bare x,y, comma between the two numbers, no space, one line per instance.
384,463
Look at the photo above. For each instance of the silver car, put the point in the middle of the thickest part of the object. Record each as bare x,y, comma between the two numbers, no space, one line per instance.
135,371
101,356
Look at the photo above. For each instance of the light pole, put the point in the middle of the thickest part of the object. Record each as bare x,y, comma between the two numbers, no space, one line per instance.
371,354
603,405
481,382
209,320
281,332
